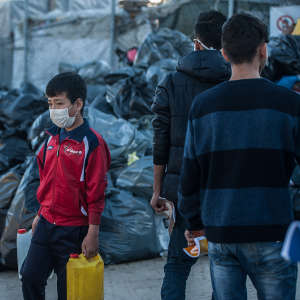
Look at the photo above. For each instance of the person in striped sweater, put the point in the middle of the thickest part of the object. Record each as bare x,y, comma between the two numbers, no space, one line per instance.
242,144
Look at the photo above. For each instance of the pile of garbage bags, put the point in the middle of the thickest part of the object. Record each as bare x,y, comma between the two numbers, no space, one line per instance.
284,57
118,106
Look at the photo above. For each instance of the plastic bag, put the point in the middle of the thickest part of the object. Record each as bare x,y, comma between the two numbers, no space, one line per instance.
8,185
158,71
128,230
21,212
284,57
13,151
92,72
37,133
138,178
166,43
128,93
19,108
121,136
98,100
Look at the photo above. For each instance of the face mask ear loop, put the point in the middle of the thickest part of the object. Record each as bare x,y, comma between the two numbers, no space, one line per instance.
203,45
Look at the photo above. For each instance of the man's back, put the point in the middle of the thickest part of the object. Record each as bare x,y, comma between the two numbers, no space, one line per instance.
196,73
245,137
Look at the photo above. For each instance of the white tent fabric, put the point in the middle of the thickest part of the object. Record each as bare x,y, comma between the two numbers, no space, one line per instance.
83,37
5,25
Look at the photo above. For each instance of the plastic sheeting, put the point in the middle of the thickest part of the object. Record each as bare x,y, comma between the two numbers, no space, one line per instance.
128,229
18,216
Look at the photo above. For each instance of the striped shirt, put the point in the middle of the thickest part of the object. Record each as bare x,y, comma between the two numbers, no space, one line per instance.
242,144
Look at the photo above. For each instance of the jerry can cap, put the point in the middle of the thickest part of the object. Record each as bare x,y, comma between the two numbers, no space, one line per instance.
74,255
22,231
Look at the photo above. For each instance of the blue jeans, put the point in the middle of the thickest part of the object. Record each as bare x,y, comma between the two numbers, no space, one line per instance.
273,277
178,266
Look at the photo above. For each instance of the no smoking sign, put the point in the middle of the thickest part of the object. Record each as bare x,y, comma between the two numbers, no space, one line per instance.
285,24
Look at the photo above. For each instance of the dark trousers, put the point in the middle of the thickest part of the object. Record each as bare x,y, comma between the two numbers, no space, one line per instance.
50,249
178,266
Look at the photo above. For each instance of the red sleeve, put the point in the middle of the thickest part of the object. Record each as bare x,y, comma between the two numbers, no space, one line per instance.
96,181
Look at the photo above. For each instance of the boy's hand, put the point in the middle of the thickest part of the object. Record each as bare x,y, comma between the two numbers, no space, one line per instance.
90,244
34,223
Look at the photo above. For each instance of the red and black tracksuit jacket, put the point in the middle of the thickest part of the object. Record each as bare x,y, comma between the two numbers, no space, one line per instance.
73,177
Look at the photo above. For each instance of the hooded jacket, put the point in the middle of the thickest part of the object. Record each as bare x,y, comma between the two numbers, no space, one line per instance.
196,72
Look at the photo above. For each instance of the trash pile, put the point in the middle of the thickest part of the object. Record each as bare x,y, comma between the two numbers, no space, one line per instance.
284,57
118,107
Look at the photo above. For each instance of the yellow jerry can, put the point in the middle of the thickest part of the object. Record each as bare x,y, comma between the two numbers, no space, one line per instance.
85,278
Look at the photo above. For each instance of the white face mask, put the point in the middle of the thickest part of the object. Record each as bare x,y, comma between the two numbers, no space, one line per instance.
61,118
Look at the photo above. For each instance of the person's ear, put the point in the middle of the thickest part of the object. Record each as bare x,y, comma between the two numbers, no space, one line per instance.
224,55
263,52
79,104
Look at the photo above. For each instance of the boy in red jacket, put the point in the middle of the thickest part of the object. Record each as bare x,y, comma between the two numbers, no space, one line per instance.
72,163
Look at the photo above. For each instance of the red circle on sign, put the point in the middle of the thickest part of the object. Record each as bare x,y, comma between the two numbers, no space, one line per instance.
284,22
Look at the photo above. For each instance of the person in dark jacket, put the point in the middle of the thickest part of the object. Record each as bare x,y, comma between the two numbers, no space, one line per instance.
196,72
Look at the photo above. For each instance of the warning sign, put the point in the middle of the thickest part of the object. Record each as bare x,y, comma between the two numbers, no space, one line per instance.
283,19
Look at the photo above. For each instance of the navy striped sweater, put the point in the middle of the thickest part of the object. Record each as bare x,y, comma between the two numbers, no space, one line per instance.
242,144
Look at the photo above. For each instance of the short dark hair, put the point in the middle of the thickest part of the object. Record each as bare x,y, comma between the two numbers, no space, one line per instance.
208,28
242,35
70,83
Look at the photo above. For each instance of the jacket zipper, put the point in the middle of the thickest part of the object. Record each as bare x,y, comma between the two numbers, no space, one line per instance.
57,156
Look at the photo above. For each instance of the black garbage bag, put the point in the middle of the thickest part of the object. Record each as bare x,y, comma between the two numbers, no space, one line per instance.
21,213
128,93
92,72
165,43
13,151
19,108
94,91
284,57
128,230
144,126
158,71
98,100
8,185
138,178
37,133
121,136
